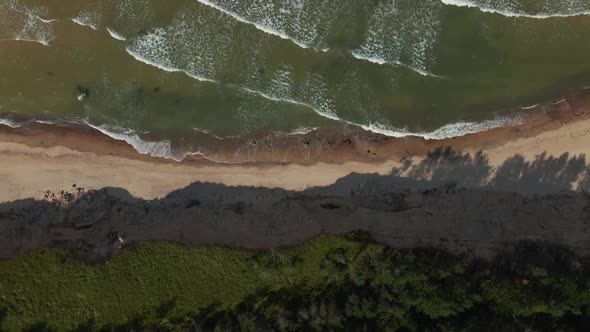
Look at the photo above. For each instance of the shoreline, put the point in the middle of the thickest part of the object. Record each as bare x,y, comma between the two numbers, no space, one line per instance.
40,157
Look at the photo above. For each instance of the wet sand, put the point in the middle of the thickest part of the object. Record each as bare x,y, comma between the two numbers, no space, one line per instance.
37,158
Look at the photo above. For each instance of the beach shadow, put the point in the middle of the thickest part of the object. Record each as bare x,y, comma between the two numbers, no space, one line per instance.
544,174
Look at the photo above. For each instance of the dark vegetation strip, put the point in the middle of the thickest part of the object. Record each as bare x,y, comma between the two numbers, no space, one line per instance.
346,283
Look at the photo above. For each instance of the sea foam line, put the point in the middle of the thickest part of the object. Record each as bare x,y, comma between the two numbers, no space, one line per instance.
381,61
257,25
163,149
169,69
116,35
9,123
29,13
457,129
79,21
42,42
471,4
292,101
160,149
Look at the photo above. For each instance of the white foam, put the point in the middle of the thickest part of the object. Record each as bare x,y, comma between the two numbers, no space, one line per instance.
258,25
331,116
161,149
169,69
26,25
80,21
508,13
47,20
402,33
9,123
457,129
116,35
381,61
303,130
42,42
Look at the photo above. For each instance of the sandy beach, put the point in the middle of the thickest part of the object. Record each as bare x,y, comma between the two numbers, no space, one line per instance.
34,161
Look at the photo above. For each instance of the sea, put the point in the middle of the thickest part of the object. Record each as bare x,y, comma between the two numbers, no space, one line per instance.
150,71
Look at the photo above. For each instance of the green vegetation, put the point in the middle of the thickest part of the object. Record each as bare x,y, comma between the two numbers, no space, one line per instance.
328,284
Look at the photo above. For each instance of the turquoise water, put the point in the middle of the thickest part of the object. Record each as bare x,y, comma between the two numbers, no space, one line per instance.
161,69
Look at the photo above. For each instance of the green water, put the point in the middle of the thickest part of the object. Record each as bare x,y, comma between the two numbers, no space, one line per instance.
231,67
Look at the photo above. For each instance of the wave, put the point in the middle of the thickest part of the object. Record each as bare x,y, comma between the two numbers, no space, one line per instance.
258,26
116,35
9,123
160,149
303,130
164,149
25,23
381,61
484,6
82,22
330,116
296,41
17,39
164,67
452,130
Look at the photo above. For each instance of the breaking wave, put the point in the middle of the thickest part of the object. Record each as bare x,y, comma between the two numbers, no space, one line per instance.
160,149
116,35
88,19
257,25
406,43
165,67
19,22
9,123
542,9
457,129
164,148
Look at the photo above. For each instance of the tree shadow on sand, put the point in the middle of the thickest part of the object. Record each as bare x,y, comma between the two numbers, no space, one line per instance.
544,174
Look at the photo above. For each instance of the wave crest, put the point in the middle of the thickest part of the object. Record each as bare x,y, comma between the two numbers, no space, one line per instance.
544,8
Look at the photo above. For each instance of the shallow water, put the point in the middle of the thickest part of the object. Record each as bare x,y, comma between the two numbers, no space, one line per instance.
238,67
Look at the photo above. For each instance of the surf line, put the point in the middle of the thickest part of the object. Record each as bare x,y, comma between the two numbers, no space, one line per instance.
451,130
17,39
165,68
443,132
380,61
116,35
259,26
471,4
79,21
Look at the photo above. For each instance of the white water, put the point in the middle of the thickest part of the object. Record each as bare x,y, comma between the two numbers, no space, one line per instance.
20,22
258,26
329,115
303,130
166,68
457,129
402,33
83,23
116,35
9,123
88,19
380,61
266,17
568,8
161,149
